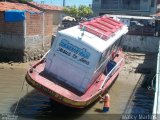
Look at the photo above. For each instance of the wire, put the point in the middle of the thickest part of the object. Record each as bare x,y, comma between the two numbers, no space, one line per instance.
19,98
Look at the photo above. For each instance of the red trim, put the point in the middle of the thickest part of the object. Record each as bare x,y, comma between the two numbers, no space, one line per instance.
53,90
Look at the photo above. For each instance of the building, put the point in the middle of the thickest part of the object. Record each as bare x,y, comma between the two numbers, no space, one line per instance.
158,5
125,7
56,11
25,32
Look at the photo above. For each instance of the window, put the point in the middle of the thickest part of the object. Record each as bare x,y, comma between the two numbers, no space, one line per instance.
104,56
110,4
152,3
131,4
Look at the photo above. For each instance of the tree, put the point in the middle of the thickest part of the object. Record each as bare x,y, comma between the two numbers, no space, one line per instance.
84,11
81,11
74,11
71,11
23,1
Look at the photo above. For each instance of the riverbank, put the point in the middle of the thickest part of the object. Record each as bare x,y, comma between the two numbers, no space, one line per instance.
132,60
14,65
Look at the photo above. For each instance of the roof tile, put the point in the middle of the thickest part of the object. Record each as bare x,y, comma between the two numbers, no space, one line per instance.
16,6
47,7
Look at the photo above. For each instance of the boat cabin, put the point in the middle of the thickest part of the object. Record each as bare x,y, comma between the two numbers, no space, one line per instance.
80,54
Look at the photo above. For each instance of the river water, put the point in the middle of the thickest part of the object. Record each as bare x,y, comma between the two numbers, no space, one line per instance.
35,106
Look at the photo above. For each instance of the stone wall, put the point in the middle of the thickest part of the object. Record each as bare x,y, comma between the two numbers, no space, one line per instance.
145,44
36,46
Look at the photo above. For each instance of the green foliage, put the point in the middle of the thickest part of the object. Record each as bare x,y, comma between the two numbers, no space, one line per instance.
74,11
25,1
84,11
66,10
81,11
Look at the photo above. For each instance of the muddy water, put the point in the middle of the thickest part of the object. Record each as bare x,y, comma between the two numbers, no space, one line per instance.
35,106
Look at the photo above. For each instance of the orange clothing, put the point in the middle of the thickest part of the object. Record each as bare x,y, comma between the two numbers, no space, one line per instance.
107,101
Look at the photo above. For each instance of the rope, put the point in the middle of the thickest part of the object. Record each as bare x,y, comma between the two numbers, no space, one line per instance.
27,88
19,98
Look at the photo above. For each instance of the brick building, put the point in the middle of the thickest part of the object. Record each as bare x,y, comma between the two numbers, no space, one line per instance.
56,11
26,39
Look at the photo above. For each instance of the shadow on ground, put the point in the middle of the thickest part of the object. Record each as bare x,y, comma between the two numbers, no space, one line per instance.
36,106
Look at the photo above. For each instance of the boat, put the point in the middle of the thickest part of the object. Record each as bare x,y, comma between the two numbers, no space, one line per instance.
82,63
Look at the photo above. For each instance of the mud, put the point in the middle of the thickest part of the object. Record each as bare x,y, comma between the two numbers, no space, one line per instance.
36,106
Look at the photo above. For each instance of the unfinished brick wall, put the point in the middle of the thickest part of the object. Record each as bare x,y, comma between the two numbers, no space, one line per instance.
14,28
48,24
29,47
34,24
35,43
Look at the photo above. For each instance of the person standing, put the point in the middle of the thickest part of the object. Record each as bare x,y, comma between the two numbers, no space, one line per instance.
106,105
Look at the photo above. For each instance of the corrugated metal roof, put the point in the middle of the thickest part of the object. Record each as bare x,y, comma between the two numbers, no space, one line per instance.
4,6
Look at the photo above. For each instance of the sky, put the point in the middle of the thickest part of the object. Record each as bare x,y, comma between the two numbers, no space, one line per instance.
68,2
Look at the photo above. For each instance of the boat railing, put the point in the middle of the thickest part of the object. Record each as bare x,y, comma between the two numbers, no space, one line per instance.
44,56
111,73
93,31
32,67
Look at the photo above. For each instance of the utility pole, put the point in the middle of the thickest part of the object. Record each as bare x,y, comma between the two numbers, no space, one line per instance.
64,1
42,2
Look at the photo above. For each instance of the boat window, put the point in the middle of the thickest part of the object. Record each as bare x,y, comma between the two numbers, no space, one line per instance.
107,55
104,56
108,52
